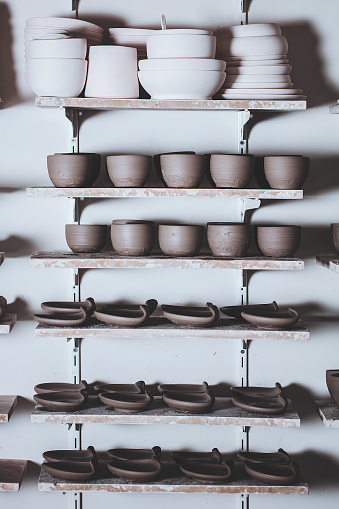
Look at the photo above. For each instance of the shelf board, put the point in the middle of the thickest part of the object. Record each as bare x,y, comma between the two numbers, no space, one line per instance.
11,474
224,413
329,413
171,481
330,262
110,260
90,103
334,109
163,192
159,327
7,322
7,405
2,258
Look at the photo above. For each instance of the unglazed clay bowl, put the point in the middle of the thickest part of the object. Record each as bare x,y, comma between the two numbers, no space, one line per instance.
180,239
73,170
135,454
130,170
335,235
232,171
192,316
183,170
136,470
70,455
86,238
211,473
332,382
276,320
132,237
228,239
286,172
235,311
57,77
278,241
169,44
272,473
137,388
65,401
70,470
69,307
181,457
59,387
130,403
190,402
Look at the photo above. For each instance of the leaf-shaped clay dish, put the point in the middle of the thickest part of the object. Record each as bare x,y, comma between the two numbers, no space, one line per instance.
71,471
69,307
180,388
273,473
127,402
276,320
258,392
190,402
59,387
201,457
192,316
138,470
281,457
235,311
137,388
135,454
70,455
126,315
62,401
63,320
208,472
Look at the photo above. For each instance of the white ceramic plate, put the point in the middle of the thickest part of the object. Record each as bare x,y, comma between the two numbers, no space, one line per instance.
248,58
277,91
257,96
207,64
260,69
246,63
54,22
255,30
245,86
258,78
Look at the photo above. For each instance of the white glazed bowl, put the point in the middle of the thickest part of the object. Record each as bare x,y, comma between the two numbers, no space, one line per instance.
255,30
181,83
271,45
260,69
257,78
57,77
60,48
249,85
205,64
180,45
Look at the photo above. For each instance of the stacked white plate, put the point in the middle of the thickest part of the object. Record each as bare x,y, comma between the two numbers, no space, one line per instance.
257,63
59,28
133,37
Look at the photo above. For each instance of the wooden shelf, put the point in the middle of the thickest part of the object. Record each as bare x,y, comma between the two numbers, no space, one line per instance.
224,413
329,413
7,405
110,260
330,262
11,474
7,322
159,327
163,192
84,103
334,109
170,481
2,258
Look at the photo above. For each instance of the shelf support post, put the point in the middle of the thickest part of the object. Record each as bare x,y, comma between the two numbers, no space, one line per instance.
243,12
73,7
243,117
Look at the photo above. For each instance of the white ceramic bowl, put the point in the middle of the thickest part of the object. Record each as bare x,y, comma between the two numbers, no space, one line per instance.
248,58
61,48
180,45
57,77
238,63
260,69
71,23
257,78
207,64
190,31
255,46
255,30
249,85
181,83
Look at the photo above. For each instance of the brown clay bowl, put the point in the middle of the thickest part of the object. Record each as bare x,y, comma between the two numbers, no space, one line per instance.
86,238
183,170
235,311
74,319
180,239
131,170
132,238
278,241
258,392
189,402
156,162
59,387
73,170
335,235
286,172
208,472
192,316
136,470
127,402
182,388
281,457
228,239
66,401
231,170
269,406
70,471
126,316
276,320
181,457
272,473
70,455
135,454
332,381
137,388
69,307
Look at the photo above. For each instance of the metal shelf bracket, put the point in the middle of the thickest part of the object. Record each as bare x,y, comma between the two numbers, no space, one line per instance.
243,12
243,117
73,8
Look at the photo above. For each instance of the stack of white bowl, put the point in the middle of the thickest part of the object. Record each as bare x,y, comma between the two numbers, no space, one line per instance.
257,63
55,52
133,37
181,65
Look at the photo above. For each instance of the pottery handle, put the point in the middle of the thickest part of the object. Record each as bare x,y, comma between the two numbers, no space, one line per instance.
214,310
217,454
140,385
151,305
92,305
156,452
84,384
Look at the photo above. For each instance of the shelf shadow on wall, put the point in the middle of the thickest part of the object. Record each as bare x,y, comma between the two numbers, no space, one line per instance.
303,401
8,89
16,246
21,308
32,474
320,470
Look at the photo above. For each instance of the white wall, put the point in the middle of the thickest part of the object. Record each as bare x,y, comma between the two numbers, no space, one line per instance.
29,134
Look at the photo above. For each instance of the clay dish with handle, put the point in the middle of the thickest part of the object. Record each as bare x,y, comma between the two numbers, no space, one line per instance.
269,406
182,388
137,388
208,472
59,387
71,471
273,473
126,316
63,320
192,316
69,307
127,402
235,311
258,392
276,320
281,457
189,402
135,454
66,401
70,455
181,457
136,470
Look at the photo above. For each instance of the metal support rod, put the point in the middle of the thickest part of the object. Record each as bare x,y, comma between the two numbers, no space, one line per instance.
243,12
73,6
243,117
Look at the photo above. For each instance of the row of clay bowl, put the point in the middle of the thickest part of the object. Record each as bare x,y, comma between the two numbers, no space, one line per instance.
263,316
136,398
137,238
144,465
178,170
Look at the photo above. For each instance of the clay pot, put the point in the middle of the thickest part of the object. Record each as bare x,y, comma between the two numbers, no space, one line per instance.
183,170
278,241
228,239
132,238
335,235
332,382
130,170
73,170
180,239
231,170
156,162
286,172
86,238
